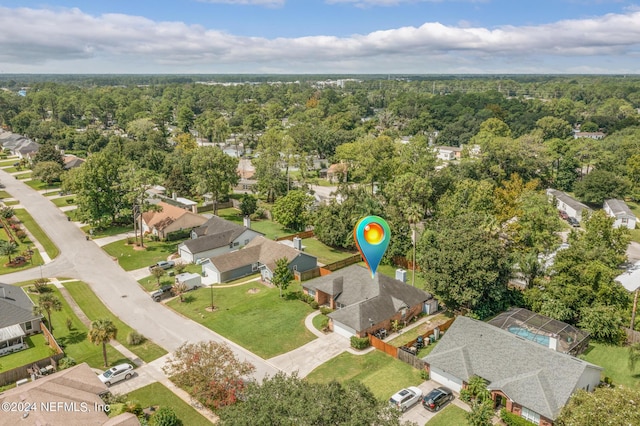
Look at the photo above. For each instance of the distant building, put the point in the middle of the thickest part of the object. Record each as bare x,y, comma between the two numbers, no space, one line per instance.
619,210
566,203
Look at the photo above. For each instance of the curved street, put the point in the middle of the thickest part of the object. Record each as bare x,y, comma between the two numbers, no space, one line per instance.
85,261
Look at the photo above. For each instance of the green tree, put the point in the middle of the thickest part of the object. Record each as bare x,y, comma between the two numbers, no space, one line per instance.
271,181
8,248
282,275
599,185
466,266
293,210
101,332
604,323
136,182
302,403
248,205
158,273
185,118
47,171
210,370
48,153
165,416
481,413
47,303
214,172
608,405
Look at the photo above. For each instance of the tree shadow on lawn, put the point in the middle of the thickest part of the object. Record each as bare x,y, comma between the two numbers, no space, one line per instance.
72,338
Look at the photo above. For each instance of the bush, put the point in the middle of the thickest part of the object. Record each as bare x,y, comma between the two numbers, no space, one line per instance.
325,311
465,395
165,416
69,323
424,374
314,304
66,362
135,338
511,419
21,235
359,342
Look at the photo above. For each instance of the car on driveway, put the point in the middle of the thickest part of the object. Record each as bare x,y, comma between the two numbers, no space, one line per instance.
437,398
573,222
563,214
116,374
162,292
164,264
406,398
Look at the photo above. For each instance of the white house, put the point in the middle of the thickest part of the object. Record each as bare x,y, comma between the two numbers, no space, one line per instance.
564,202
448,153
619,210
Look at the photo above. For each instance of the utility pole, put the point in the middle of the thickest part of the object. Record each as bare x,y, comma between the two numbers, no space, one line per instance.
633,311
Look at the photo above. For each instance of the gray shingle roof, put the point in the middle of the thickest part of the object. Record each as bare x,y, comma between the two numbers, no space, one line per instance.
15,306
619,207
217,225
212,241
366,299
536,377
567,199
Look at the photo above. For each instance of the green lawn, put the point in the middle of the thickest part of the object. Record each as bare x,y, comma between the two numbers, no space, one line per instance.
38,349
11,203
95,309
150,283
25,175
36,259
74,340
269,228
64,201
9,162
318,320
380,372
157,394
5,194
324,253
111,230
260,321
412,334
39,185
614,361
130,259
37,232
451,415
10,169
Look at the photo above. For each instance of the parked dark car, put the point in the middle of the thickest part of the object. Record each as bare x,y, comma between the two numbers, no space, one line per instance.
164,291
437,398
573,222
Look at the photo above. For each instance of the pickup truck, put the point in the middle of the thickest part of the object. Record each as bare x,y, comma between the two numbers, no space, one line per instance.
164,264
161,293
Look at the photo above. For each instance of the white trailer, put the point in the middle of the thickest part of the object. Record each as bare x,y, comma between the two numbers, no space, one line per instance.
190,280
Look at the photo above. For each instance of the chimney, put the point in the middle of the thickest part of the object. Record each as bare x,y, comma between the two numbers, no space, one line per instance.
401,275
246,221
173,196
297,243
338,285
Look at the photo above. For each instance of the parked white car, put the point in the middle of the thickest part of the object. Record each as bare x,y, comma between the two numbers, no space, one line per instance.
116,374
406,398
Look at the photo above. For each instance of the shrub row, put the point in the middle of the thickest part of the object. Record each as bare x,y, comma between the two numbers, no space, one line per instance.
359,342
511,419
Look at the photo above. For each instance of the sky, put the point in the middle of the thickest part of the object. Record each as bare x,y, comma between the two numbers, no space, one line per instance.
320,36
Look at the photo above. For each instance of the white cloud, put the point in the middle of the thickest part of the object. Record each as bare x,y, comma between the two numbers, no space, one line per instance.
268,3
369,3
68,40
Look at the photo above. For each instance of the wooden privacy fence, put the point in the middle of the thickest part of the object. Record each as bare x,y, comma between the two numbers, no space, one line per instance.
303,235
444,326
412,360
306,275
382,346
342,263
633,336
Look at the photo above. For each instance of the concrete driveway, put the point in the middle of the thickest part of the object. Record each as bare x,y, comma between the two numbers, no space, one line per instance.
315,353
420,415
84,260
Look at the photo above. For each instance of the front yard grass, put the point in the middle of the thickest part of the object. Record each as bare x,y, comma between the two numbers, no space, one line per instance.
37,232
150,283
324,253
39,185
451,415
5,194
252,315
94,309
156,394
38,349
380,372
130,259
64,201
23,176
614,360
36,259
269,228
74,340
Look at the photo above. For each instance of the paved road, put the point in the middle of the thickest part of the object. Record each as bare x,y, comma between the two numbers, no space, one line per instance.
84,260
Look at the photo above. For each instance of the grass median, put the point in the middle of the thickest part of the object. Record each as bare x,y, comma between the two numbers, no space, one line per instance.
94,309
37,232
158,395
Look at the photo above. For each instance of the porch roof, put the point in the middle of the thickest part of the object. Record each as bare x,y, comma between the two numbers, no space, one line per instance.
11,332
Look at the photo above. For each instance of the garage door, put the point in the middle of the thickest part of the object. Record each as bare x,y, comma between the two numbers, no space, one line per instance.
343,330
446,379
212,274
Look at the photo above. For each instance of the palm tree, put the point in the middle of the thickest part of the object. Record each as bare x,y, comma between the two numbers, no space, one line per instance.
102,331
179,288
46,303
7,248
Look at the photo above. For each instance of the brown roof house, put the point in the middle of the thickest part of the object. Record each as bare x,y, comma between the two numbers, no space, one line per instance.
16,319
259,255
215,237
169,219
363,304
527,378
68,397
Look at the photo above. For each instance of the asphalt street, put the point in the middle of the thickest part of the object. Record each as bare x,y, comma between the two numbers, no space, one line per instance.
84,260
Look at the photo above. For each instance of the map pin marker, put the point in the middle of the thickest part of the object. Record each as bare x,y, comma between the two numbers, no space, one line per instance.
372,235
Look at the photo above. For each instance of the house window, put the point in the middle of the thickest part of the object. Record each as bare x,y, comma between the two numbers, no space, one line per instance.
254,267
28,326
311,292
625,220
530,415
246,241
236,243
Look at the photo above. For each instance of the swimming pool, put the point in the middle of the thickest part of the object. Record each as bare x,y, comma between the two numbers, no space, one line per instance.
523,332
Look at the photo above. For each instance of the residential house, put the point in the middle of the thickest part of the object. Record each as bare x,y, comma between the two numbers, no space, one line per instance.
590,135
72,161
17,319
215,237
169,219
364,304
449,153
68,397
337,173
526,378
619,210
566,203
259,255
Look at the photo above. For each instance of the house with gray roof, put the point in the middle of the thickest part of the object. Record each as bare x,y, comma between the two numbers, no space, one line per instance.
566,203
526,378
363,304
17,319
215,237
622,214
259,255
